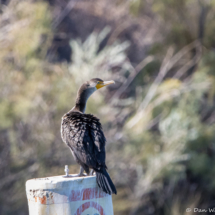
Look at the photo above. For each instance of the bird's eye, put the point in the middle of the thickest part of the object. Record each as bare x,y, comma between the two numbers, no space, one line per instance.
98,82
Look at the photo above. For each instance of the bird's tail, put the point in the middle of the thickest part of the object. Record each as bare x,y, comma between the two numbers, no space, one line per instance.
104,182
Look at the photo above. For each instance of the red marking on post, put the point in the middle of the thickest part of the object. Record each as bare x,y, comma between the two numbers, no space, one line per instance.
75,196
92,193
86,194
87,205
42,200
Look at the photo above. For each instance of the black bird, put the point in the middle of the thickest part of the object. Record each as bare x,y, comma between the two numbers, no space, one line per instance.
84,136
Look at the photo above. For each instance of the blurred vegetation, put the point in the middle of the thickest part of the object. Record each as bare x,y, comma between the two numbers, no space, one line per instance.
159,117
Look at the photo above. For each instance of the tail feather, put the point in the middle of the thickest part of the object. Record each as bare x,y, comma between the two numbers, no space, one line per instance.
98,179
105,186
104,182
109,188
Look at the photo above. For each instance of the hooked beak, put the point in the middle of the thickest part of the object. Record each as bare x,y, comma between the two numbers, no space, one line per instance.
103,84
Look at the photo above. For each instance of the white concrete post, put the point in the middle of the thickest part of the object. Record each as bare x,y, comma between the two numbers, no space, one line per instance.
67,196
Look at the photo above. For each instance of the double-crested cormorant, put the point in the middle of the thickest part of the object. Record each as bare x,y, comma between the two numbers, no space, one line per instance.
84,136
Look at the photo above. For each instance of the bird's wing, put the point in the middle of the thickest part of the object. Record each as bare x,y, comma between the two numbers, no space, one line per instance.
83,134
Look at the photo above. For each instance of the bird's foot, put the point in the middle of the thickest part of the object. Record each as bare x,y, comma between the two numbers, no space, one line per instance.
81,174
92,172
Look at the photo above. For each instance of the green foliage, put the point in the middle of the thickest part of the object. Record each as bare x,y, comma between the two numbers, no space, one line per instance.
92,62
23,84
135,7
160,129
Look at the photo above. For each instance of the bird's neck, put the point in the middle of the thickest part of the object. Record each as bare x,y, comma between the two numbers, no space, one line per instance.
81,99
80,107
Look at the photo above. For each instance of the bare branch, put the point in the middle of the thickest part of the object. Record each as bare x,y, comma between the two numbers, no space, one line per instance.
167,64
64,13
133,74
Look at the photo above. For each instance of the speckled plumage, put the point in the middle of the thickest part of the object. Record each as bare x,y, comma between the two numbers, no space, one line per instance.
84,136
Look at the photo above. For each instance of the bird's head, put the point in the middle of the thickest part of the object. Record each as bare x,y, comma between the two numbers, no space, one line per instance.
98,83
89,87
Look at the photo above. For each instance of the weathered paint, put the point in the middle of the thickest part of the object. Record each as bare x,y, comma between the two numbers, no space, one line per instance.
76,196
87,205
